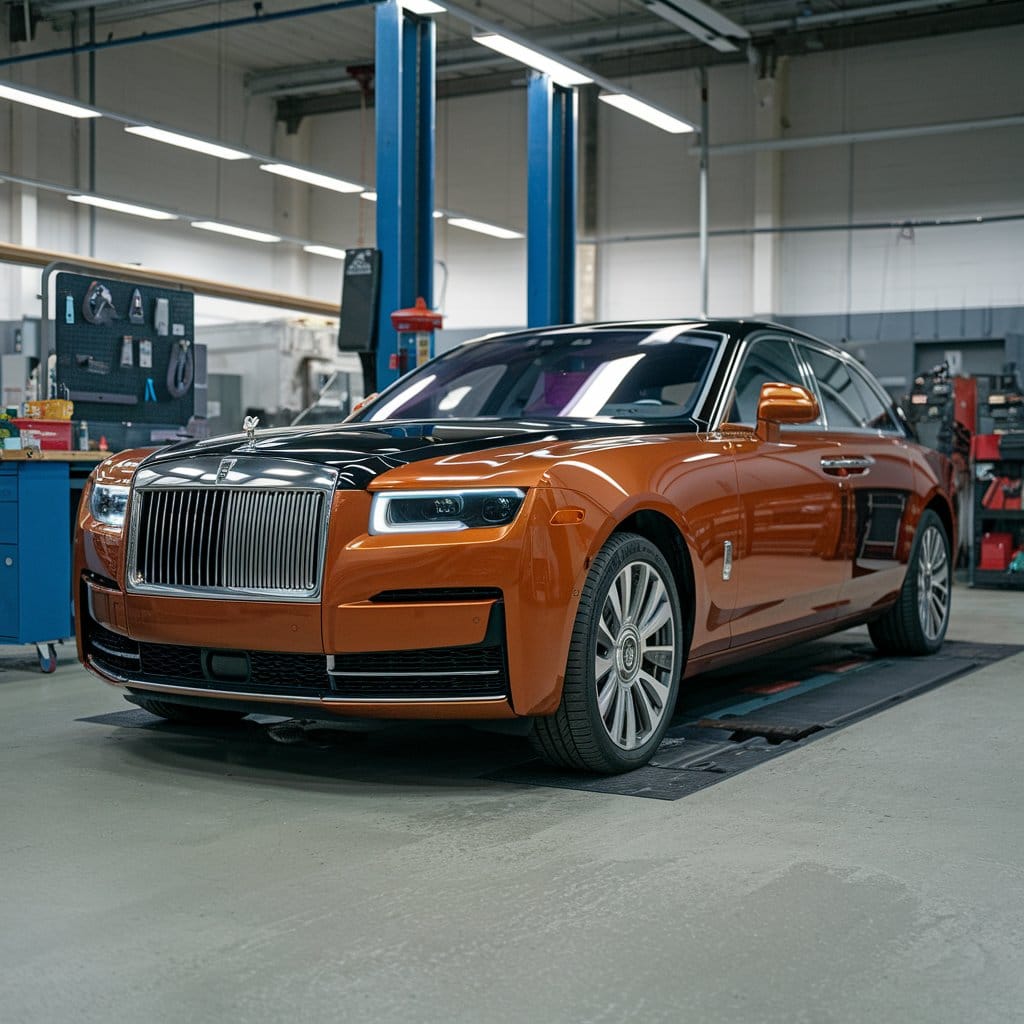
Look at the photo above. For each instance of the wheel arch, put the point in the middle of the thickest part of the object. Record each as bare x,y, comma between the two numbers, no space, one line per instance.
941,506
663,533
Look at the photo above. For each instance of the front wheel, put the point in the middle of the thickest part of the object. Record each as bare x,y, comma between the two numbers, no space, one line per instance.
625,660
917,622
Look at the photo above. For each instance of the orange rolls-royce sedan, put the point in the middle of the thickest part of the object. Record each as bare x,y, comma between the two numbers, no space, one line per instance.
560,525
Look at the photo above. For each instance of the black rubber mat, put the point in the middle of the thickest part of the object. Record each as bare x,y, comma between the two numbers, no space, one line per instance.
725,723
733,720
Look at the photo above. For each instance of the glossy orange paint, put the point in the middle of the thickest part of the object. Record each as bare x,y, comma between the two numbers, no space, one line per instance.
793,530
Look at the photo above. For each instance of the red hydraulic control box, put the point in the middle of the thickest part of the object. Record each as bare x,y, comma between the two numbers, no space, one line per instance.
996,551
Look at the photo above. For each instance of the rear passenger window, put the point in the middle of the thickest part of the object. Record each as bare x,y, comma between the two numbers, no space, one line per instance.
848,400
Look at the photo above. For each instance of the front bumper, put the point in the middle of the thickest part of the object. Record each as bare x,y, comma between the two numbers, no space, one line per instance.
471,625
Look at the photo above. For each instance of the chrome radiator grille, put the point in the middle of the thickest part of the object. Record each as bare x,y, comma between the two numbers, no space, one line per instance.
221,540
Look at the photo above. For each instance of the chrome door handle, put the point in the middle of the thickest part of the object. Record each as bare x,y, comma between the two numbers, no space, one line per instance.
847,465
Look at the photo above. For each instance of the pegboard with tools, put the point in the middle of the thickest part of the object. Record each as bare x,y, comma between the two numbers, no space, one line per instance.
125,352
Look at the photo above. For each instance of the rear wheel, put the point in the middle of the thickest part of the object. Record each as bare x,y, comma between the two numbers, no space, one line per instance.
625,659
917,622
188,713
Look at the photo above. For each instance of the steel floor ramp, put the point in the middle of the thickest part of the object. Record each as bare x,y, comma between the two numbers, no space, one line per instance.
732,720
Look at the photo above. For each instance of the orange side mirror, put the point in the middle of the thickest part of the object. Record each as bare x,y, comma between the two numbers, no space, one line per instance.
784,403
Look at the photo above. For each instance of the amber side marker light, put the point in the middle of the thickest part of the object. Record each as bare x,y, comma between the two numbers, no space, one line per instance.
568,517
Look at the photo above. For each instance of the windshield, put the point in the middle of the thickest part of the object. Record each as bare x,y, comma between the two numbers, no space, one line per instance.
335,400
616,374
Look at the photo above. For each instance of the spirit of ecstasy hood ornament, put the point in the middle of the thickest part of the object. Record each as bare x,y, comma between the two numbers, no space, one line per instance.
249,425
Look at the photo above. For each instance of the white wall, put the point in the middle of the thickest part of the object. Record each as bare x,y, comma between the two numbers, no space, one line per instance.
980,173
647,189
647,185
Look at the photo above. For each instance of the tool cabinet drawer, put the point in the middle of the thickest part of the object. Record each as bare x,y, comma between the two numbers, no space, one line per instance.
8,590
8,522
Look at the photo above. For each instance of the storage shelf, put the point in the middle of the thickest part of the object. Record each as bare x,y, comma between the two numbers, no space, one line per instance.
998,578
995,521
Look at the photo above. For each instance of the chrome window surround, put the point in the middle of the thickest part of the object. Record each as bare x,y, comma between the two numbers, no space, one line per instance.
723,400
239,473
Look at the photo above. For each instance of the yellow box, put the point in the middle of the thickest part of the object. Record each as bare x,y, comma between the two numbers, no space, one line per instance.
50,409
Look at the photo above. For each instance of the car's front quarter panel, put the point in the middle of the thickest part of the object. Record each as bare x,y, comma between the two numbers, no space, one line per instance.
689,479
536,568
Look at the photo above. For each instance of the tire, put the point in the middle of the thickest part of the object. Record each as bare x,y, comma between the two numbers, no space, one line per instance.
188,713
916,624
624,665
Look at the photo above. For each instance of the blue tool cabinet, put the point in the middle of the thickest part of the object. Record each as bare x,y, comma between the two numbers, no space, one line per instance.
35,555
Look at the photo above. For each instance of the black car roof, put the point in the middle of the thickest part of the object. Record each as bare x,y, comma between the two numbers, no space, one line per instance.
737,329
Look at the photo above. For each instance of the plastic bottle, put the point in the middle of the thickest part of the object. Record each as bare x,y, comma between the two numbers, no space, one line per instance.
83,436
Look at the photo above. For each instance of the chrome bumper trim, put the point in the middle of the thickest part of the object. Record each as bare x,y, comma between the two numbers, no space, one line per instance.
115,654
412,675
274,698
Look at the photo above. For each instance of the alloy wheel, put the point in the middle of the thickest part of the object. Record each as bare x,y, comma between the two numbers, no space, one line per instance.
932,583
635,655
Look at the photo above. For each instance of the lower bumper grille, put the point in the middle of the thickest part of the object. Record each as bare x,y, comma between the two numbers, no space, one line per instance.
252,671
437,673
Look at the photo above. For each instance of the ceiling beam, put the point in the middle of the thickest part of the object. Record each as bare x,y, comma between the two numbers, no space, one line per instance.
671,53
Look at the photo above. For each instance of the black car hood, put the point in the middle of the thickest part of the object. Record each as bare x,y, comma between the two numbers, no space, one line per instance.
360,452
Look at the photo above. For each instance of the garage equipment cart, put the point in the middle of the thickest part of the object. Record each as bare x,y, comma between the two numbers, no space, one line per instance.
39,491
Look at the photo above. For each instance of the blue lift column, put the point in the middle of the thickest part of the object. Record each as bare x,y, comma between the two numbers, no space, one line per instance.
551,202
405,104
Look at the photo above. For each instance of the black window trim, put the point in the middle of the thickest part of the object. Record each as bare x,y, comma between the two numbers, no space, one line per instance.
854,367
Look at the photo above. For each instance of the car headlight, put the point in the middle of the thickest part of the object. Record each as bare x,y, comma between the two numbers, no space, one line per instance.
444,511
108,502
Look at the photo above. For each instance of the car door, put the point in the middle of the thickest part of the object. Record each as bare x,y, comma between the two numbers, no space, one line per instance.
873,469
788,564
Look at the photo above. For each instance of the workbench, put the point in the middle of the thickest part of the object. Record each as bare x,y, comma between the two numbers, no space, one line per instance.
39,493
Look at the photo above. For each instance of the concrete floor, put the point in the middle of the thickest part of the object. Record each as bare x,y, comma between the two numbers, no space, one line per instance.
164,874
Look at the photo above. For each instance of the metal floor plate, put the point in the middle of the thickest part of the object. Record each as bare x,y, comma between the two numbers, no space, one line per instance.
732,720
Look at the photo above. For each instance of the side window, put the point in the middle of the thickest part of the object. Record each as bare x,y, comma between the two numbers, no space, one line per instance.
850,403
879,413
769,361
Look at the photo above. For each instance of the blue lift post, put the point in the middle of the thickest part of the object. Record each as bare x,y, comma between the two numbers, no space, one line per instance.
405,105
551,202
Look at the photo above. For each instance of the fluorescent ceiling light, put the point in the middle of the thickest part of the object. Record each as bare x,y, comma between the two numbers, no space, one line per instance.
312,177
482,228
558,72
372,197
325,250
646,112
702,22
422,7
230,229
186,142
45,102
119,207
